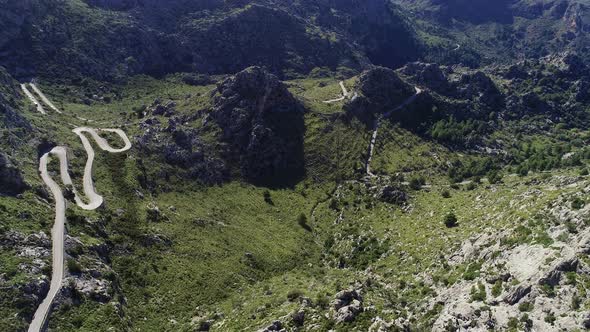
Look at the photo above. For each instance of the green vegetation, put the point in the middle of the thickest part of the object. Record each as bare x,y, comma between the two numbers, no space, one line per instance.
478,293
451,220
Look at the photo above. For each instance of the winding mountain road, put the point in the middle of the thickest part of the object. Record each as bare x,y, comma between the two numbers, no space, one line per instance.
94,201
345,94
32,98
44,99
377,124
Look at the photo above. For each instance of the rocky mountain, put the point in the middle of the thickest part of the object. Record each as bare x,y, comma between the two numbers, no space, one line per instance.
42,38
488,32
277,165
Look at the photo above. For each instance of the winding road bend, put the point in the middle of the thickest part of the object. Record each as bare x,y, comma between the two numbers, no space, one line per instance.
345,94
377,124
43,98
32,98
94,201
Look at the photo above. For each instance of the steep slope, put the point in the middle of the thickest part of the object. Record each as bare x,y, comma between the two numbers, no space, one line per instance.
108,40
482,32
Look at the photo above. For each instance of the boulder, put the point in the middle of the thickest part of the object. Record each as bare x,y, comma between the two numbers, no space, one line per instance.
517,294
348,313
344,298
347,305
393,195
298,318
275,326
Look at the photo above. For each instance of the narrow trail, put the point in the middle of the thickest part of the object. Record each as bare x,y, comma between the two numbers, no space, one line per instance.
94,201
372,145
43,98
32,98
345,94
377,124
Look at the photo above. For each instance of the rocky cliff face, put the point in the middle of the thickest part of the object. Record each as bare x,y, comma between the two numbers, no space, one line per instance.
175,142
379,90
534,285
15,128
263,125
11,180
263,36
155,37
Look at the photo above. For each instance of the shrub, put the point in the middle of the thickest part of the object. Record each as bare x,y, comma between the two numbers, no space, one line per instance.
417,183
523,171
302,221
494,177
526,322
446,194
472,271
322,301
577,203
74,267
576,301
525,307
548,290
550,318
267,197
584,172
512,323
478,293
497,288
451,220
294,295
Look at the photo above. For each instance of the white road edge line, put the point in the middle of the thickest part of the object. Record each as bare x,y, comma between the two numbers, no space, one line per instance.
57,232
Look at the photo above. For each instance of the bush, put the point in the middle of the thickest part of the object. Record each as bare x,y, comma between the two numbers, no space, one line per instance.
526,306
512,323
523,171
322,301
473,271
456,132
550,318
451,220
584,172
526,322
267,197
74,267
445,194
294,295
548,290
577,203
478,294
576,302
494,177
497,288
417,183
302,221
